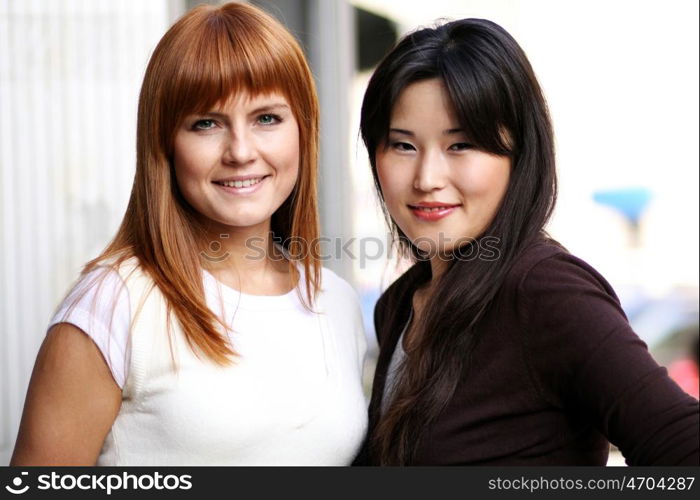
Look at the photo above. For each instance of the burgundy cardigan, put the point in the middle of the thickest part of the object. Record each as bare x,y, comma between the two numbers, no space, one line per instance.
557,374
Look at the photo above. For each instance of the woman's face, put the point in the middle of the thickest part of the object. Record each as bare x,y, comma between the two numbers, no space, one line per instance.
438,188
237,163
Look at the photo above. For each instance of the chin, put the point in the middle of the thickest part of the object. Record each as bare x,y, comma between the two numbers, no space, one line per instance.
238,222
246,223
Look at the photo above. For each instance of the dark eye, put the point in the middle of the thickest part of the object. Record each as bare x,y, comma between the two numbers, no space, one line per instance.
268,119
460,146
203,124
402,146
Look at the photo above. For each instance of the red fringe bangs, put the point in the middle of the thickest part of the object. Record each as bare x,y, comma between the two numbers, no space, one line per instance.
226,58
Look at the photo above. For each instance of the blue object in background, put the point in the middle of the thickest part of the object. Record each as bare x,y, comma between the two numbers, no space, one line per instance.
368,299
630,202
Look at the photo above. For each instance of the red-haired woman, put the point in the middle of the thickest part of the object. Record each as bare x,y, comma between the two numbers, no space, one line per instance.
201,335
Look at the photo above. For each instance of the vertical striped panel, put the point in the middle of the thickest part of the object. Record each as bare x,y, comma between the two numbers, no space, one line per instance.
70,72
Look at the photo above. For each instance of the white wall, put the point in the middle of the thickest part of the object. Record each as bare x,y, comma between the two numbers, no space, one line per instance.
70,72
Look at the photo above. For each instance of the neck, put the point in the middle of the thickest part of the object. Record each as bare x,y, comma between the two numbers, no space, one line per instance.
438,266
245,258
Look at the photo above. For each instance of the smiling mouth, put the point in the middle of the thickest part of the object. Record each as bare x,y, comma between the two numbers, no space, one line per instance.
432,211
241,183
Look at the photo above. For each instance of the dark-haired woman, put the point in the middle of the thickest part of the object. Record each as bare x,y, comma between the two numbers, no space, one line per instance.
498,346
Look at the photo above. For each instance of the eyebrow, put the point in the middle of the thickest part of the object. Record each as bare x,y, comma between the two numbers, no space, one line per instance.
453,131
214,114
450,131
266,108
278,106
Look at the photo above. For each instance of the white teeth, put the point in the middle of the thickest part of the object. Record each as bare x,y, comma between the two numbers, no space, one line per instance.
240,184
430,209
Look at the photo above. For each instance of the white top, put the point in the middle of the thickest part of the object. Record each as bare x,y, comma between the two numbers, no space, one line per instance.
293,396
392,373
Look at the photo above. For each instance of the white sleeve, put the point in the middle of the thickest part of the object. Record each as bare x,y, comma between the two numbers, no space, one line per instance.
99,305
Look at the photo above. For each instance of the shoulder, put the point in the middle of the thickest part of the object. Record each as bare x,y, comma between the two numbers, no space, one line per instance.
106,277
341,303
399,293
548,267
128,269
96,284
335,286
565,309
115,277
337,296
134,278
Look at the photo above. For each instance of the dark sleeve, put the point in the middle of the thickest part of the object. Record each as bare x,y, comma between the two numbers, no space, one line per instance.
585,358
379,311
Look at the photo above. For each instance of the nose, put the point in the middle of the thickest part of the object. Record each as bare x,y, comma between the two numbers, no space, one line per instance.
432,171
240,149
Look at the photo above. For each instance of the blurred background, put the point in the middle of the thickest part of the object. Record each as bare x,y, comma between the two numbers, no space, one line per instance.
620,76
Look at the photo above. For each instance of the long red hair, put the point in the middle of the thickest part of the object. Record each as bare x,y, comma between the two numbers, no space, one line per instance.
211,53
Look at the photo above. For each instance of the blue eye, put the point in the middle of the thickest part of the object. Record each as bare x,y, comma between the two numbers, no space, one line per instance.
203,124
461,146
268,119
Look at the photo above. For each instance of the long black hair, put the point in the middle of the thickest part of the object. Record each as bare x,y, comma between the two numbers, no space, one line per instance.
500,106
